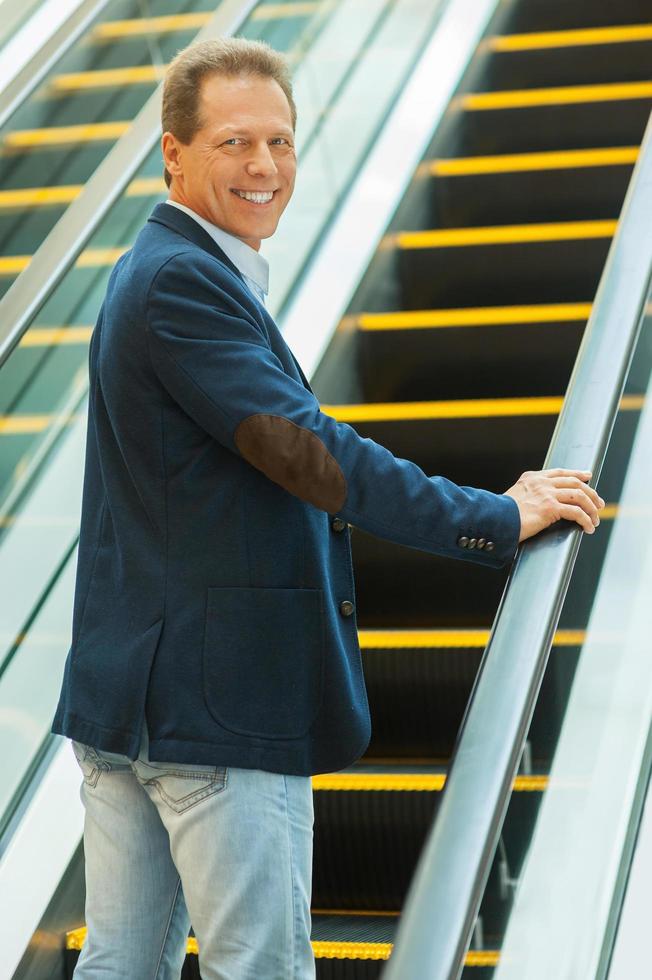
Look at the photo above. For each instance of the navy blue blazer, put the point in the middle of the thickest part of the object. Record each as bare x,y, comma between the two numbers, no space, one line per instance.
214,592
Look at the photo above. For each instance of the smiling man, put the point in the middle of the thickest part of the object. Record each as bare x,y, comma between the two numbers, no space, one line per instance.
215,664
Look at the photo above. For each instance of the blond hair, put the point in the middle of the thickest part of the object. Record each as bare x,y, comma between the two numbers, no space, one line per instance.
231,56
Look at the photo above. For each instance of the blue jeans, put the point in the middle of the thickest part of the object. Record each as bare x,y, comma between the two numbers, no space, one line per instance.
170,844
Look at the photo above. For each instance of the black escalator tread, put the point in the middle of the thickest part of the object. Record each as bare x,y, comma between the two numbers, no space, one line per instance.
370,825
535,59
555,15
418,696
529,196
470,361
574,126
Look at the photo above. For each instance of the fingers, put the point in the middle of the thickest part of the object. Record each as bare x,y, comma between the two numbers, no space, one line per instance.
571,512
579,498
572,482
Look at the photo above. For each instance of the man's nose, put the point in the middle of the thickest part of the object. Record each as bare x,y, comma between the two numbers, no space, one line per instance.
261,162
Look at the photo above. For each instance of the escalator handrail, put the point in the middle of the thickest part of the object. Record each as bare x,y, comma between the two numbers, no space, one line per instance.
45,57
61,248
447,889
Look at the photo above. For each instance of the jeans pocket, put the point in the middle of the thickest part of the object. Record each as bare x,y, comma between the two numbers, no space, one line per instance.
181,785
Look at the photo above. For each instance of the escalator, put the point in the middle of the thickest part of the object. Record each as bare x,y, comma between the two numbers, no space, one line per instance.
454,352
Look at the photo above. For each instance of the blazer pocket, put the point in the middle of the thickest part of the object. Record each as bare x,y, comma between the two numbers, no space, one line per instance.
262,660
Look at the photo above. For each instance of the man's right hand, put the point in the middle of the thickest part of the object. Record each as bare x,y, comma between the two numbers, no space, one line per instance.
546,496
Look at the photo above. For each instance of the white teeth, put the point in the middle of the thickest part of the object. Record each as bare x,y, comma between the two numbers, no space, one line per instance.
257,197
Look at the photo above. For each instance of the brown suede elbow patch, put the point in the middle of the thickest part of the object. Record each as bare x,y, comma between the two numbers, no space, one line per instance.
294,457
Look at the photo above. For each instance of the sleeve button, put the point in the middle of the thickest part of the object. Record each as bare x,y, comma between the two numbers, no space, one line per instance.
481,543
346,607
489,546
472,543
463,542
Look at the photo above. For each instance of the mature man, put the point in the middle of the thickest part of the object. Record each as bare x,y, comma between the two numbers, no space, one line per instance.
215,663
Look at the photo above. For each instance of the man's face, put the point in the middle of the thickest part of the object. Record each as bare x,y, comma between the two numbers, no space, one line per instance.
245,147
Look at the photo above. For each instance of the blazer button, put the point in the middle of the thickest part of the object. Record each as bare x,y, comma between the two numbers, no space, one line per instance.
463,542
489,546
473,542
338,524
481,543
346,607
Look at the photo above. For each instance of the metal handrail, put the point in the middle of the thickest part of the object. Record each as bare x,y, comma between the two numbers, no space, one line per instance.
64,243
447,888
46,56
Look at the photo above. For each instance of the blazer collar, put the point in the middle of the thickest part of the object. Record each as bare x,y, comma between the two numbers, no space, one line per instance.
182,223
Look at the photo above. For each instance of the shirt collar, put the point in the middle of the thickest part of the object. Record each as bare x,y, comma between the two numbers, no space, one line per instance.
249,262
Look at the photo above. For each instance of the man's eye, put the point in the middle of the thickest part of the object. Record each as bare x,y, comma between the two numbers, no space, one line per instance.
232,139
279,139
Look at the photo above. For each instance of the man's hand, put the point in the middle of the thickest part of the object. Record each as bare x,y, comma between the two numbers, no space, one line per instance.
546,496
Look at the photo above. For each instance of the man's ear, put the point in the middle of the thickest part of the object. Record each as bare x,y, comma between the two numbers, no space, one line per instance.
171,150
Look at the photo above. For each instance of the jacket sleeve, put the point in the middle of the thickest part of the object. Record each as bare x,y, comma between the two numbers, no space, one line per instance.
216,362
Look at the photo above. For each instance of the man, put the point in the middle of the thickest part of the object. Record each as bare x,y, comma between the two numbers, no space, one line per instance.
215,664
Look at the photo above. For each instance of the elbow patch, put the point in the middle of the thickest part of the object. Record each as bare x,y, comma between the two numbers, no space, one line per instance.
293,457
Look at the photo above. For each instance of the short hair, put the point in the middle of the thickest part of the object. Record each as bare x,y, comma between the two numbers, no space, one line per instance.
230,57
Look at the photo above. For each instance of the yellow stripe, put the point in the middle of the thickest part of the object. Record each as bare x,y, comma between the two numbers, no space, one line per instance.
92,258
405,782
506,234
11,425
59,135
448,639
323,950
109,78
55,336
567,39
556,96
549,160
189,22
474,408
34,197
13,265
150,25
480,316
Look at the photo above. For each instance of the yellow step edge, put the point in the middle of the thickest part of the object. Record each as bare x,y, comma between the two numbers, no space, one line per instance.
571,38
55,336
566,95
448,639
555,231
91,258
188,22
514,162
24,139
405,782
107,78
463,409
480,316
323,950
35,197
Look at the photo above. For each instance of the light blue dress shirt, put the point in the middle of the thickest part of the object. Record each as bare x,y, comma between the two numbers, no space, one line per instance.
253,268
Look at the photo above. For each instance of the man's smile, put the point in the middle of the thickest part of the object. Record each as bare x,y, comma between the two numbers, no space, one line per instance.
254,197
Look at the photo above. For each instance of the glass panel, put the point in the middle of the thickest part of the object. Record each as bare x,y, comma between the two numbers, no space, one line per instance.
341,52
548,903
